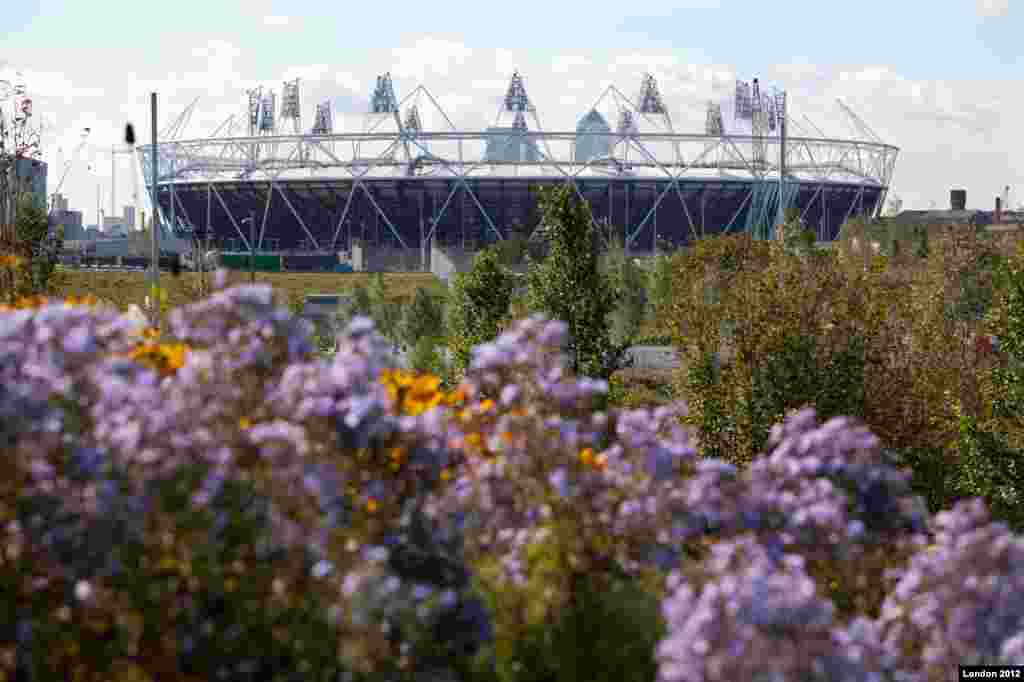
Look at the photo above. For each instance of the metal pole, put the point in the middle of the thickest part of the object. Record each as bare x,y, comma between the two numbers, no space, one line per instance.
782,163
252,247
155,222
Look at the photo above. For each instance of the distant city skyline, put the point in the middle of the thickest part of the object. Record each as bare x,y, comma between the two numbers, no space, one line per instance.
940,81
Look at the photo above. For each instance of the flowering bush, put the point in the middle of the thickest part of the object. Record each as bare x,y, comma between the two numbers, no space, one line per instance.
217,501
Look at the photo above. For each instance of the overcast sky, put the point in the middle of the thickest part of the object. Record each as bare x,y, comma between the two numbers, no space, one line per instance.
941,80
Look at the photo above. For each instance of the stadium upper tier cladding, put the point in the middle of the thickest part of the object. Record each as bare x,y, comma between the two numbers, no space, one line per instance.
308,214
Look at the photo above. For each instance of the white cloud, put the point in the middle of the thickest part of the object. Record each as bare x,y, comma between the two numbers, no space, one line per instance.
993,8
276,20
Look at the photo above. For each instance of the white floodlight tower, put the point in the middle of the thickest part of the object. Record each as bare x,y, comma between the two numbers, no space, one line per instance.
255,97
323,122
383,100
516,99
649,102
713,124
268,124
758,123
290,104
412,120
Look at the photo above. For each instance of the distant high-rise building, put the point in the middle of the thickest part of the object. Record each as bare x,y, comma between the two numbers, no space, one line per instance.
594,145
129,216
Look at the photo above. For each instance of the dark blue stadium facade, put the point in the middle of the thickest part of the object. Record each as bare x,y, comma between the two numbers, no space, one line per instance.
402,210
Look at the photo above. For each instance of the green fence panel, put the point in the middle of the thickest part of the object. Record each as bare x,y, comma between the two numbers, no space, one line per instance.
263,263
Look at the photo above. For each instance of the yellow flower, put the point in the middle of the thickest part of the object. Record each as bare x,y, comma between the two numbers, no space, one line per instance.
371,505
446,474
397,456
587,456
244,423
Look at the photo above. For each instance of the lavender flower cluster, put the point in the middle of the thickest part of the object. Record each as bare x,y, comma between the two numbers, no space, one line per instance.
257,472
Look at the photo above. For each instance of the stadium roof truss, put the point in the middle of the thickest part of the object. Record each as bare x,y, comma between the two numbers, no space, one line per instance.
415,138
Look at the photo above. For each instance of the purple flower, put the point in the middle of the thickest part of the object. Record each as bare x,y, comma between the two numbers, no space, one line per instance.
559,480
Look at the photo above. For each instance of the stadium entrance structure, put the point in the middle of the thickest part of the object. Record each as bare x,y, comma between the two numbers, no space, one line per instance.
399,183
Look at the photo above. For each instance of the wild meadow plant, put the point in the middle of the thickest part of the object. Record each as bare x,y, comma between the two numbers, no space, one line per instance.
217,501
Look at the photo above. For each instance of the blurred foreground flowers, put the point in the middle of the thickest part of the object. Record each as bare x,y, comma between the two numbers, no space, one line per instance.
216,501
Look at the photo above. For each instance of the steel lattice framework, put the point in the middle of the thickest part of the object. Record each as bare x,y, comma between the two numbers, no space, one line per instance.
401,181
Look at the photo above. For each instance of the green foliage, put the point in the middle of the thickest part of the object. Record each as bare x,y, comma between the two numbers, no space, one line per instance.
32,225
478,305
793,376
38,251
569,285
373,301
991,448
423,318
763,329
512,251
359,304
989,467
628,282
385,312
606,635
425,356
659,283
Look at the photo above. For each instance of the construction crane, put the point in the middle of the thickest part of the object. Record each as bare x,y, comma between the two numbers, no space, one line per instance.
68,165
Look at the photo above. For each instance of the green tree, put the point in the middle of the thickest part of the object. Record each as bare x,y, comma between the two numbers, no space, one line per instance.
478,305
35,245
570,286
385,312
628,282
423,318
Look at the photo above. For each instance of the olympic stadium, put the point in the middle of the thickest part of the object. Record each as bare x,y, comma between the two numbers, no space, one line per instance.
410,177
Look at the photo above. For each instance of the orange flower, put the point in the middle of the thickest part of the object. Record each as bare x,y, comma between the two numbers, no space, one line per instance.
167,358
10,261
371,505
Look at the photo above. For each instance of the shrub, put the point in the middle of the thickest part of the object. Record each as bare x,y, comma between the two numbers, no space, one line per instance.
478,306
765,328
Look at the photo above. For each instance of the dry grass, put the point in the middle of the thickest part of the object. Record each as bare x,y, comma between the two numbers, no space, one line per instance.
125,288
